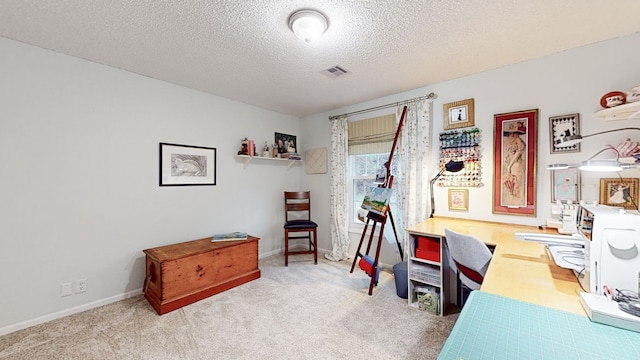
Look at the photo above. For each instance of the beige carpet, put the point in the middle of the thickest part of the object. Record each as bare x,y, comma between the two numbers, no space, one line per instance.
304,311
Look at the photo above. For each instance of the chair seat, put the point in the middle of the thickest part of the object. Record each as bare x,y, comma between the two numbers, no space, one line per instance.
300,224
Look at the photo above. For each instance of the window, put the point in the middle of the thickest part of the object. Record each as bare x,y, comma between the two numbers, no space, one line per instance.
370,142
362,174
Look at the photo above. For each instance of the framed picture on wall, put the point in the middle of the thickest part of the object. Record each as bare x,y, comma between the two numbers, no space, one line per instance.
514,170
187,165
458,199
565,185
561,126
458,114
619,192
285,143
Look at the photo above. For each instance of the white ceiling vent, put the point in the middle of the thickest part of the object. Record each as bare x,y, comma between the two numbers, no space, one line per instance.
334,71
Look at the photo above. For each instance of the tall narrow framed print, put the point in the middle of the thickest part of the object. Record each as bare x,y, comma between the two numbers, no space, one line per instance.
514,170
187,165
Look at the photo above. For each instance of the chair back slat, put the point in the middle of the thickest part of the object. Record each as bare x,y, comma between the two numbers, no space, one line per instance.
299,202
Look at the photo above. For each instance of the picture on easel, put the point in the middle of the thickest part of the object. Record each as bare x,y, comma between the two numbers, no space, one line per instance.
376,200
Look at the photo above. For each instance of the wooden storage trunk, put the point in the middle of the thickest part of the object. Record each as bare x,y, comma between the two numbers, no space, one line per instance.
180,274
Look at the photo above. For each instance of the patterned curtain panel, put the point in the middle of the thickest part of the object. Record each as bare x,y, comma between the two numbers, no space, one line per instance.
413,148
338,192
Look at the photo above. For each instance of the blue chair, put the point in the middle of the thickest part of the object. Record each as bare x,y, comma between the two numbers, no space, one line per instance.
298,220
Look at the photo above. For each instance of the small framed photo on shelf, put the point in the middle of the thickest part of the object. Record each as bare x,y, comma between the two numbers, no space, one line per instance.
458,114
458,199
285,143
187,165
560,127
621,192
565,185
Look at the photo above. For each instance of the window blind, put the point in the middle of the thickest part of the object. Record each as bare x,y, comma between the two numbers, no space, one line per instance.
373,135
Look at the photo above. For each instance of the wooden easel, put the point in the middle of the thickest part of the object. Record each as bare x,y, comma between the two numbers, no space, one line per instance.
380,218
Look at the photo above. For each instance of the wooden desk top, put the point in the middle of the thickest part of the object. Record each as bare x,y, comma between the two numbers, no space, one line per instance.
519,270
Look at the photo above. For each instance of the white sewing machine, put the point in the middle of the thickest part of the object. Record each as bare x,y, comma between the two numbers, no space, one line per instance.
564,218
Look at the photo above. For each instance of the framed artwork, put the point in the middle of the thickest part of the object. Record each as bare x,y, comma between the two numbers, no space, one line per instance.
458,114
619,192
187,165
514,156
458,199
285,143
561,126
565,185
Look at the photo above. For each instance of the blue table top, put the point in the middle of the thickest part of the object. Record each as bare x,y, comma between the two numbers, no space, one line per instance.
495,327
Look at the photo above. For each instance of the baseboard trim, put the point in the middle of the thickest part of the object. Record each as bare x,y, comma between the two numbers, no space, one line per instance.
88,306
66,312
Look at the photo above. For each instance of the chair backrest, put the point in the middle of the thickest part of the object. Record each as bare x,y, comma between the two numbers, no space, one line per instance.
297,205
471,255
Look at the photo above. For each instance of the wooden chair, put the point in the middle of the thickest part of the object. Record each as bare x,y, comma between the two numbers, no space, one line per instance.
297,206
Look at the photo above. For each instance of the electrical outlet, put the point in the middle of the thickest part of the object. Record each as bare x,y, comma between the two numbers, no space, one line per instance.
66,289
81,285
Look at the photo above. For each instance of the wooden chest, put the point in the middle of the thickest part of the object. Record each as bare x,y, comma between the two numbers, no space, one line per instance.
183,273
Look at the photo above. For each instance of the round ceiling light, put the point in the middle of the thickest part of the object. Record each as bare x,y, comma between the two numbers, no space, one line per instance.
307,24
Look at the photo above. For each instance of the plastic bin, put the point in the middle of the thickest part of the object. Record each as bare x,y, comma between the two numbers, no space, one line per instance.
400,276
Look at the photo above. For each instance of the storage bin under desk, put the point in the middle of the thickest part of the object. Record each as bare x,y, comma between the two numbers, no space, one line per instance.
183,273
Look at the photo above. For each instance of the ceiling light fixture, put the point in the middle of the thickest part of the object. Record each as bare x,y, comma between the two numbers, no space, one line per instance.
308,24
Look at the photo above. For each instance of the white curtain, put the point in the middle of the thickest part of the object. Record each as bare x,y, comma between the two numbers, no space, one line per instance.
413,150
338,193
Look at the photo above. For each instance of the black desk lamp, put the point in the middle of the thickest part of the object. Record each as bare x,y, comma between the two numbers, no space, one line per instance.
451,166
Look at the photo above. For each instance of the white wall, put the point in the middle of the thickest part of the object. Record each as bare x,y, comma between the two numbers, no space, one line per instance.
79,194
568,82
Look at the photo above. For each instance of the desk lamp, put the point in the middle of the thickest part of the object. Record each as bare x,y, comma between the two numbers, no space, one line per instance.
602,165
591,164
577,138
451,166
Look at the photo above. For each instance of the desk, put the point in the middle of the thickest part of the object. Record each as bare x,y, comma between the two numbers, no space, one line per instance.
519,270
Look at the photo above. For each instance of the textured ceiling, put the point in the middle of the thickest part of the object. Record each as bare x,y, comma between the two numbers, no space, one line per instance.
243,50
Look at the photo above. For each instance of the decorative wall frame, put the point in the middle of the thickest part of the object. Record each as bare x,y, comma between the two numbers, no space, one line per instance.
619,192
565,185
285,143
461,145
561,126
187,165
514,170
458,114
458,199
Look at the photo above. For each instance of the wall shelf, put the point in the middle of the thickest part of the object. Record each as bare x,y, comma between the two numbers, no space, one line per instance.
621,112
246,159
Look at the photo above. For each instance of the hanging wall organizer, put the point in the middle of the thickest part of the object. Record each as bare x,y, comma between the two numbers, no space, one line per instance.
461,145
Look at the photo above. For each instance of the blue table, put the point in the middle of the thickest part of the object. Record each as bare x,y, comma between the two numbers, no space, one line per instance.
495,327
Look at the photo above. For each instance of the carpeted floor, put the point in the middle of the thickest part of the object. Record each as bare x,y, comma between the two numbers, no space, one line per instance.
304,311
